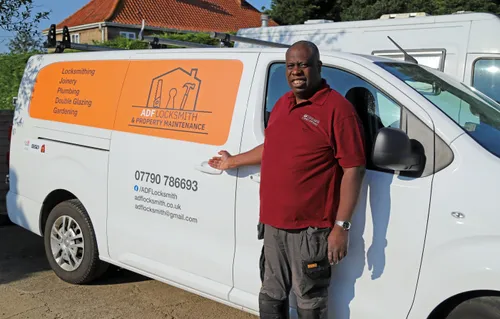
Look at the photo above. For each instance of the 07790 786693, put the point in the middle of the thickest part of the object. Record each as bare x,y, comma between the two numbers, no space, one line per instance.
166,180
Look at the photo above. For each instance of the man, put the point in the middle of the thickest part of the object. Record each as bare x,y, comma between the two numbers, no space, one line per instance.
312,166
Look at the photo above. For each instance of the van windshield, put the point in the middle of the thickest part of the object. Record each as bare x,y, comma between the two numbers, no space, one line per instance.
472,110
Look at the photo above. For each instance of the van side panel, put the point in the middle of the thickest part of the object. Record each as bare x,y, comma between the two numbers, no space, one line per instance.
460,253
46,166
367,40
60,138
479,41
170,214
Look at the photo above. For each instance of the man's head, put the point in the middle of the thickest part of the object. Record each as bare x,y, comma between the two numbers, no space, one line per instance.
303,69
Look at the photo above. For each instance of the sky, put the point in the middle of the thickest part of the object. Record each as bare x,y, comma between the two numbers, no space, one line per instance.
60,9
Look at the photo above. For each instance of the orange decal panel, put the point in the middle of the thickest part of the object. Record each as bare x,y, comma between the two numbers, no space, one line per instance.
81,92
189,100
185,100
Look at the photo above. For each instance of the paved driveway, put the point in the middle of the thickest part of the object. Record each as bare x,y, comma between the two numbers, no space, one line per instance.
29,289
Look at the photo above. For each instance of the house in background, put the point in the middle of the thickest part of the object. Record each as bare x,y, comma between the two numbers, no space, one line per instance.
103,20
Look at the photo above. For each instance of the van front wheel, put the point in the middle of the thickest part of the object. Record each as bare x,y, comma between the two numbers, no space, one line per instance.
477,308
70,244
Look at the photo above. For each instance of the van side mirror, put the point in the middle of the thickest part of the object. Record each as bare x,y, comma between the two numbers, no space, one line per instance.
393,150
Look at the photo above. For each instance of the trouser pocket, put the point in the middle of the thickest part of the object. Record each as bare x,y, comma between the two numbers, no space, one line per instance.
315,268
318,271
314,244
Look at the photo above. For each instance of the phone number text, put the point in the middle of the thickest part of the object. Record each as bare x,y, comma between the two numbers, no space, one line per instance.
166,180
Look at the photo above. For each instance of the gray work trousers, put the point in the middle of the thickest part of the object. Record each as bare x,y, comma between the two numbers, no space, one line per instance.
296,260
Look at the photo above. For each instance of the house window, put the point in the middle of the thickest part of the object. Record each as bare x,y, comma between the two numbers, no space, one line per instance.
128,35
75,38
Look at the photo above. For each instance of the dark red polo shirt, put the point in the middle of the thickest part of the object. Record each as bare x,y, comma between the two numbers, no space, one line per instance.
306,145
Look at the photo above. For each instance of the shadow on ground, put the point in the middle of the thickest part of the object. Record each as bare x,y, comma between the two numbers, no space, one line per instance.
22,254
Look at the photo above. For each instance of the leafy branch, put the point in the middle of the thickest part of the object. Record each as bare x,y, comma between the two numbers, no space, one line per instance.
17,15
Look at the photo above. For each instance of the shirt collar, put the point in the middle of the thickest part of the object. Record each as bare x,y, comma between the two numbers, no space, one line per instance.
318,98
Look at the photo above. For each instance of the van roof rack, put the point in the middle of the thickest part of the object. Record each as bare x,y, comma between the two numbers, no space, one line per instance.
154,42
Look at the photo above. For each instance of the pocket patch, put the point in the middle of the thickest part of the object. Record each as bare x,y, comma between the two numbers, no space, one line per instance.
317,270
314,245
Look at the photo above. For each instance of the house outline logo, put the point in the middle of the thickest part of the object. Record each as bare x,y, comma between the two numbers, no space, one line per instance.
172,104
177,89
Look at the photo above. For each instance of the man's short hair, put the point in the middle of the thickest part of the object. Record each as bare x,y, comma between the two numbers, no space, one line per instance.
314,49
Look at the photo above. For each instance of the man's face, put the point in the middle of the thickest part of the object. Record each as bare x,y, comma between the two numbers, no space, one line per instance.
303,71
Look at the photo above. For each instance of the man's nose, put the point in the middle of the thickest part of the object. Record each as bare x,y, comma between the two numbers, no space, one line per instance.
296,70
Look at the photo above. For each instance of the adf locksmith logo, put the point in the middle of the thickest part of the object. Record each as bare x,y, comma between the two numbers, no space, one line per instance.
310,119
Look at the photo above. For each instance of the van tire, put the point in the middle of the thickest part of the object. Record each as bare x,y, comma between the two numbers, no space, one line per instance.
477,308
90,267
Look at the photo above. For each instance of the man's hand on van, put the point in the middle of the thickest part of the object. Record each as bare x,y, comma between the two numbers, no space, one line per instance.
227,161
222,162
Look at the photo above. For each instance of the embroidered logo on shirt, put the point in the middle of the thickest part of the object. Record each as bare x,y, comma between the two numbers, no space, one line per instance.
310,119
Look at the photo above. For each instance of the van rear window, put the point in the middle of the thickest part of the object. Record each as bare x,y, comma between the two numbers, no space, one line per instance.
486,77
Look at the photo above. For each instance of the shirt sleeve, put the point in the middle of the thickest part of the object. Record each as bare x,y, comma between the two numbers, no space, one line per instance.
348,135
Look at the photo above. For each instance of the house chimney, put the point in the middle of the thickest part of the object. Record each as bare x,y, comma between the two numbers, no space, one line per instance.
264,18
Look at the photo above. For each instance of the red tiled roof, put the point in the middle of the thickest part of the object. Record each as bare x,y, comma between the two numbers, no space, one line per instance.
196,15
92,12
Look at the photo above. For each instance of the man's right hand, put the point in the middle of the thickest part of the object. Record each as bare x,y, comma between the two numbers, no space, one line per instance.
221,162
227,161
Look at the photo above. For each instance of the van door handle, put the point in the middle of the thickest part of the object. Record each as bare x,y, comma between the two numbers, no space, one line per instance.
255,177
205,168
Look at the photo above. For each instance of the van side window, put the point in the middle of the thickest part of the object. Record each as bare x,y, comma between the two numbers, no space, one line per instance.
375,109
486,77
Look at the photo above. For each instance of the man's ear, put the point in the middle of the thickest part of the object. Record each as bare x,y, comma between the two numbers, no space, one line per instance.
320,64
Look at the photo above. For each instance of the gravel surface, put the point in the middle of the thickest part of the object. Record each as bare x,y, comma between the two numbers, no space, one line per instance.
29,289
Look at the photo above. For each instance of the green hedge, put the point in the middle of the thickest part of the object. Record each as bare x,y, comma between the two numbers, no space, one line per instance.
11,72
123,43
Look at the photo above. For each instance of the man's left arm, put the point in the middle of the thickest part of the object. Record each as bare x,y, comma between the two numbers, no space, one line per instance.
350,153
349,192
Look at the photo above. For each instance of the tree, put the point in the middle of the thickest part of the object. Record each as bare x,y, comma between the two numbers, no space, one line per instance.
26,41
17,15
373,9
298,11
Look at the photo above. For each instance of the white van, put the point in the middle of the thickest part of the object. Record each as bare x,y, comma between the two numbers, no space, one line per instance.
459,44
109,156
